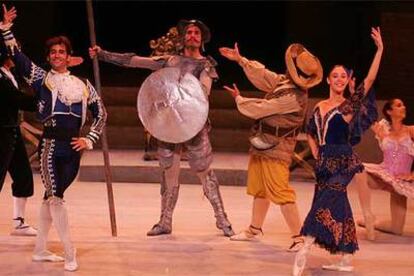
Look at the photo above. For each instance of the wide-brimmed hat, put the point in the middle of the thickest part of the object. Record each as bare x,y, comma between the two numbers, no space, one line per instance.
304,69
205,31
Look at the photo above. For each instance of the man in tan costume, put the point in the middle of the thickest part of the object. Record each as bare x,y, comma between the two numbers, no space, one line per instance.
279,117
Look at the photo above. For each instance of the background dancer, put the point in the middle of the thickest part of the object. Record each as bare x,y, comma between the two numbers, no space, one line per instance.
393,174
13,152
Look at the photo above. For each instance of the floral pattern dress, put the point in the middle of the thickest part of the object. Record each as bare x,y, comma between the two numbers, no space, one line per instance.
330,220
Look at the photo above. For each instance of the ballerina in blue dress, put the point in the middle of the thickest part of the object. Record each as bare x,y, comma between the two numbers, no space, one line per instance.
335,126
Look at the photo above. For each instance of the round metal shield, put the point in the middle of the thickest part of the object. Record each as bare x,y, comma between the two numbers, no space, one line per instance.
171,106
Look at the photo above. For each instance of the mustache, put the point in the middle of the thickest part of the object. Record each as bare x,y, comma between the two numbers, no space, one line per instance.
193,39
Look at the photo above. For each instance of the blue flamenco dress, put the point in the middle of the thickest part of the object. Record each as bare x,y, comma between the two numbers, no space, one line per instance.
330,219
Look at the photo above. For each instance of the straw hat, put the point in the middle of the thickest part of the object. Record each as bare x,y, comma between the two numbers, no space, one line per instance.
304,69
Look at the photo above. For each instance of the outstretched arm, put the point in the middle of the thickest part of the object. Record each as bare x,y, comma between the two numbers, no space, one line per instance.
32,73
373,70
259,108
256,72
5,25
359,94
126,59
231,54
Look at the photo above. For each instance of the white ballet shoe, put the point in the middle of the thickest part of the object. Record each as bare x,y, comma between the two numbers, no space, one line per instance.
338,267
301,256
70,262
24,230
300,262
344,265
47,256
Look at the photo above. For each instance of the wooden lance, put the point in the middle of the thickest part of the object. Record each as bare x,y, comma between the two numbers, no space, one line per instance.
108,174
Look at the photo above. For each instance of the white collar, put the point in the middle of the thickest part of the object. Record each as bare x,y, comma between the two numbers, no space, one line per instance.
54,72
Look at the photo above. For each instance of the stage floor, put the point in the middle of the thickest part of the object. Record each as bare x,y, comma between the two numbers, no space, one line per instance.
196,247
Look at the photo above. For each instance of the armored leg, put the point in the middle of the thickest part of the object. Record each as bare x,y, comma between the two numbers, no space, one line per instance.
170,164
212,192
200,158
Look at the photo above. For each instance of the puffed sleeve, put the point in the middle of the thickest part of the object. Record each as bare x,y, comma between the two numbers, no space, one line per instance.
261,77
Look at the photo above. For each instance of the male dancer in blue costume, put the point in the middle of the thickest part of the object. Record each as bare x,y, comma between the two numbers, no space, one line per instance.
62,101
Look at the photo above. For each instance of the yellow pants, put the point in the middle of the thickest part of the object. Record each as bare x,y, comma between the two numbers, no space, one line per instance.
269,178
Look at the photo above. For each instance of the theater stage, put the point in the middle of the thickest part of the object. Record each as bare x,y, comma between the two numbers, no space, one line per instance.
196,247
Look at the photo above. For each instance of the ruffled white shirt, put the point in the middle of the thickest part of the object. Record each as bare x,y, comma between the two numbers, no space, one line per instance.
69,89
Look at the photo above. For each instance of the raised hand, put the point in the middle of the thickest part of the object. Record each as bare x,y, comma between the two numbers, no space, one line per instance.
94,50
376,36
234,92
381,128
373,70
231,54
9,15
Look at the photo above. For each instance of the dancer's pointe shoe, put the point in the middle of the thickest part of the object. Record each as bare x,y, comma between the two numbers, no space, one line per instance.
338,267
300,262
247,235
157,230
23,230
47,256
344,265
70,262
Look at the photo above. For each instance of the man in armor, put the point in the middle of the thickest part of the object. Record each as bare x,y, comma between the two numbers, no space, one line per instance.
189,60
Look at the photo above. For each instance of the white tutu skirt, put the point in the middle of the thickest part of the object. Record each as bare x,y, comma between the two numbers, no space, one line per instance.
388,181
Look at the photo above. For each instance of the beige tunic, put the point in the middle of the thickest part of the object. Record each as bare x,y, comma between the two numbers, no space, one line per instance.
283,105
